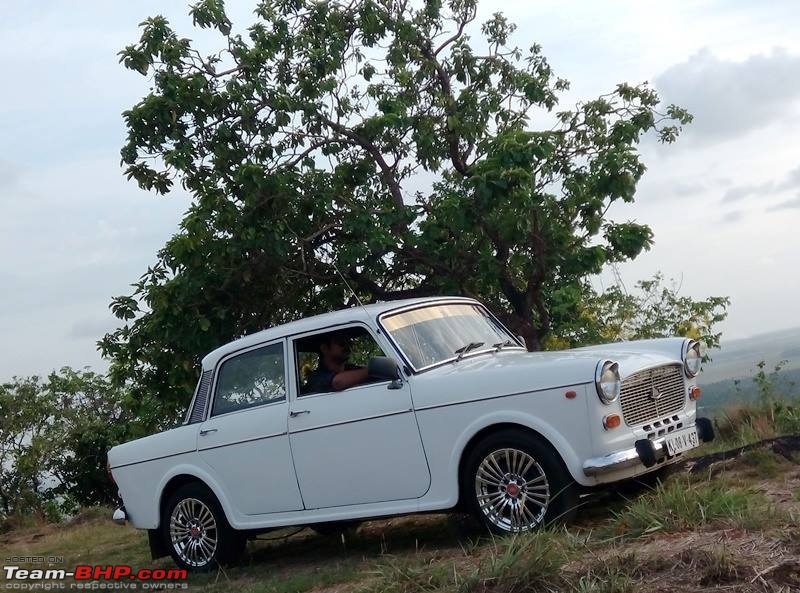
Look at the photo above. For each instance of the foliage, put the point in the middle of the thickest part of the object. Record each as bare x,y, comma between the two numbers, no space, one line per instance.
54,434
770,410
394,142
656,309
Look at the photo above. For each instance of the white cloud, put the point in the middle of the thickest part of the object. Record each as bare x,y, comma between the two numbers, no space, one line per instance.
730,98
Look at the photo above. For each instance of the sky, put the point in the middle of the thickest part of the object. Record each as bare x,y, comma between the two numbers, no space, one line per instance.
723,202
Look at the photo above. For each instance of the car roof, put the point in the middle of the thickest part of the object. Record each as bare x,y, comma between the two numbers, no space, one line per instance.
366,314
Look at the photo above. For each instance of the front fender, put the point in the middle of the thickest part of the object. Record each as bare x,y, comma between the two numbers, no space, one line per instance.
449,430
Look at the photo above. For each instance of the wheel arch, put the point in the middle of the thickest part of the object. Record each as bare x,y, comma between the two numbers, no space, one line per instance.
493,429
182,478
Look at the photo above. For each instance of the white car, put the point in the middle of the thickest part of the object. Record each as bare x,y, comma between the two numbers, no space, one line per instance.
443,408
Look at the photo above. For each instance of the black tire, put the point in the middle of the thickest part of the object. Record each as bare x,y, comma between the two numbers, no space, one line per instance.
543,491
200,509
335,528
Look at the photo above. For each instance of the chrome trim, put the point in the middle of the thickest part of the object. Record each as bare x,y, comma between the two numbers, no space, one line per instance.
454,301
598,373
633,403
688,344
598,466
119,517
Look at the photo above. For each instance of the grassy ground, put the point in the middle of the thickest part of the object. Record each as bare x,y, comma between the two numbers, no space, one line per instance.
733,525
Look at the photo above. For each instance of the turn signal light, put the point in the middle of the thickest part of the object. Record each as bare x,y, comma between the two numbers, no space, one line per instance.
695,392
611,421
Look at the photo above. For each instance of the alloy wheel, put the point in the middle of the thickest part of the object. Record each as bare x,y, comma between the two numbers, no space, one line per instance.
193,532
512,490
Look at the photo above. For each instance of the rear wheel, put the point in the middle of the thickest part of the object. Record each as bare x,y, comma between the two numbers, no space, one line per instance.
514,482
196,531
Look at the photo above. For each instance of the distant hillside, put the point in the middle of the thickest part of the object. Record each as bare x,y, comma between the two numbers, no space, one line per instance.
728,378
738,358
719,394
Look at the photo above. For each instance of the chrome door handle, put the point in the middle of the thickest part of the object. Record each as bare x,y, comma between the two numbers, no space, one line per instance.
298,413
207,431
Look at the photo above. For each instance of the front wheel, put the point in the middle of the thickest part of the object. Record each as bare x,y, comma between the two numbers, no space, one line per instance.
514,482
196,531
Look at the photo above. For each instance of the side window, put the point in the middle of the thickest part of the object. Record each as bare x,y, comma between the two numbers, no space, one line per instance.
251,379
348,349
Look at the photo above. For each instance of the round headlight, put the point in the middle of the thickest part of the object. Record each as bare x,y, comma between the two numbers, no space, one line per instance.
607,381
692,358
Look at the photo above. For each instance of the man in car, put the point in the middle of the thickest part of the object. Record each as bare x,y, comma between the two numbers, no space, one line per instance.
333,372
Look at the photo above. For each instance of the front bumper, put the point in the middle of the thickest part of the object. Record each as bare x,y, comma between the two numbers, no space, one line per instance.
644,452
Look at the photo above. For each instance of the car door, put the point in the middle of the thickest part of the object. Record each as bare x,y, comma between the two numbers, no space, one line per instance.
244,439
357,446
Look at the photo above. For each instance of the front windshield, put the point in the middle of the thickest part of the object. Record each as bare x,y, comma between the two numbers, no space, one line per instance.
434,334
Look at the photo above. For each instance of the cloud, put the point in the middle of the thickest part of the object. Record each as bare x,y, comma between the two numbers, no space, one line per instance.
789,182
93,327
733,216
793,204
729,99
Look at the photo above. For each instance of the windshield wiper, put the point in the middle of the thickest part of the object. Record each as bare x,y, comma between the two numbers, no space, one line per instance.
500,345
469,347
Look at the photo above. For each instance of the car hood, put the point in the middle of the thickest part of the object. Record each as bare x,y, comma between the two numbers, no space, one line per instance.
517,371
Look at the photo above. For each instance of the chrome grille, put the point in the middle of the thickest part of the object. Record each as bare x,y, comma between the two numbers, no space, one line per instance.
637,394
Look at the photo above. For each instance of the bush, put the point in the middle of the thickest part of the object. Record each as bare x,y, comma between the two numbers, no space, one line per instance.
54,435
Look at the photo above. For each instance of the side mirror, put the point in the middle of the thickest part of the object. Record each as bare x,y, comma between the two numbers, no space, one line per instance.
522,340
385,368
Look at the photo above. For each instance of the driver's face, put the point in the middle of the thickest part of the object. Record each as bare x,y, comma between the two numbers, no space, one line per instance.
339,349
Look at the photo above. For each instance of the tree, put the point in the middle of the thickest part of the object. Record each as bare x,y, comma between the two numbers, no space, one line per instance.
54,435
655,309
377,140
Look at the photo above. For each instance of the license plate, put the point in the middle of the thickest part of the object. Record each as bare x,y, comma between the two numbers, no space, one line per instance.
683,440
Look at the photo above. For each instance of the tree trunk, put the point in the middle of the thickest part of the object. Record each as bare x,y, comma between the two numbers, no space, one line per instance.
523,326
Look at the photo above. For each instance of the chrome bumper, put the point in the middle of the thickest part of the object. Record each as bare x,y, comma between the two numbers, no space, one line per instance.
597,466
645,452
119,517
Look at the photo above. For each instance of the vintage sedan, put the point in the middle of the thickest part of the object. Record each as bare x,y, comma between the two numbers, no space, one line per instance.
402,407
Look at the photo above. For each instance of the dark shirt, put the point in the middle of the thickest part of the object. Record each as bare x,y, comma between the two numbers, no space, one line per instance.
320,379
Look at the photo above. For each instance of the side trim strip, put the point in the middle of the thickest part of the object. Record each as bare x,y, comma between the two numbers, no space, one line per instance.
483,399
291,432
261,438
154,458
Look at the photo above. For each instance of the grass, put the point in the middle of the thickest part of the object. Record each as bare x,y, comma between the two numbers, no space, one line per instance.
510,564
762,463
682,504
617,574
717,566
